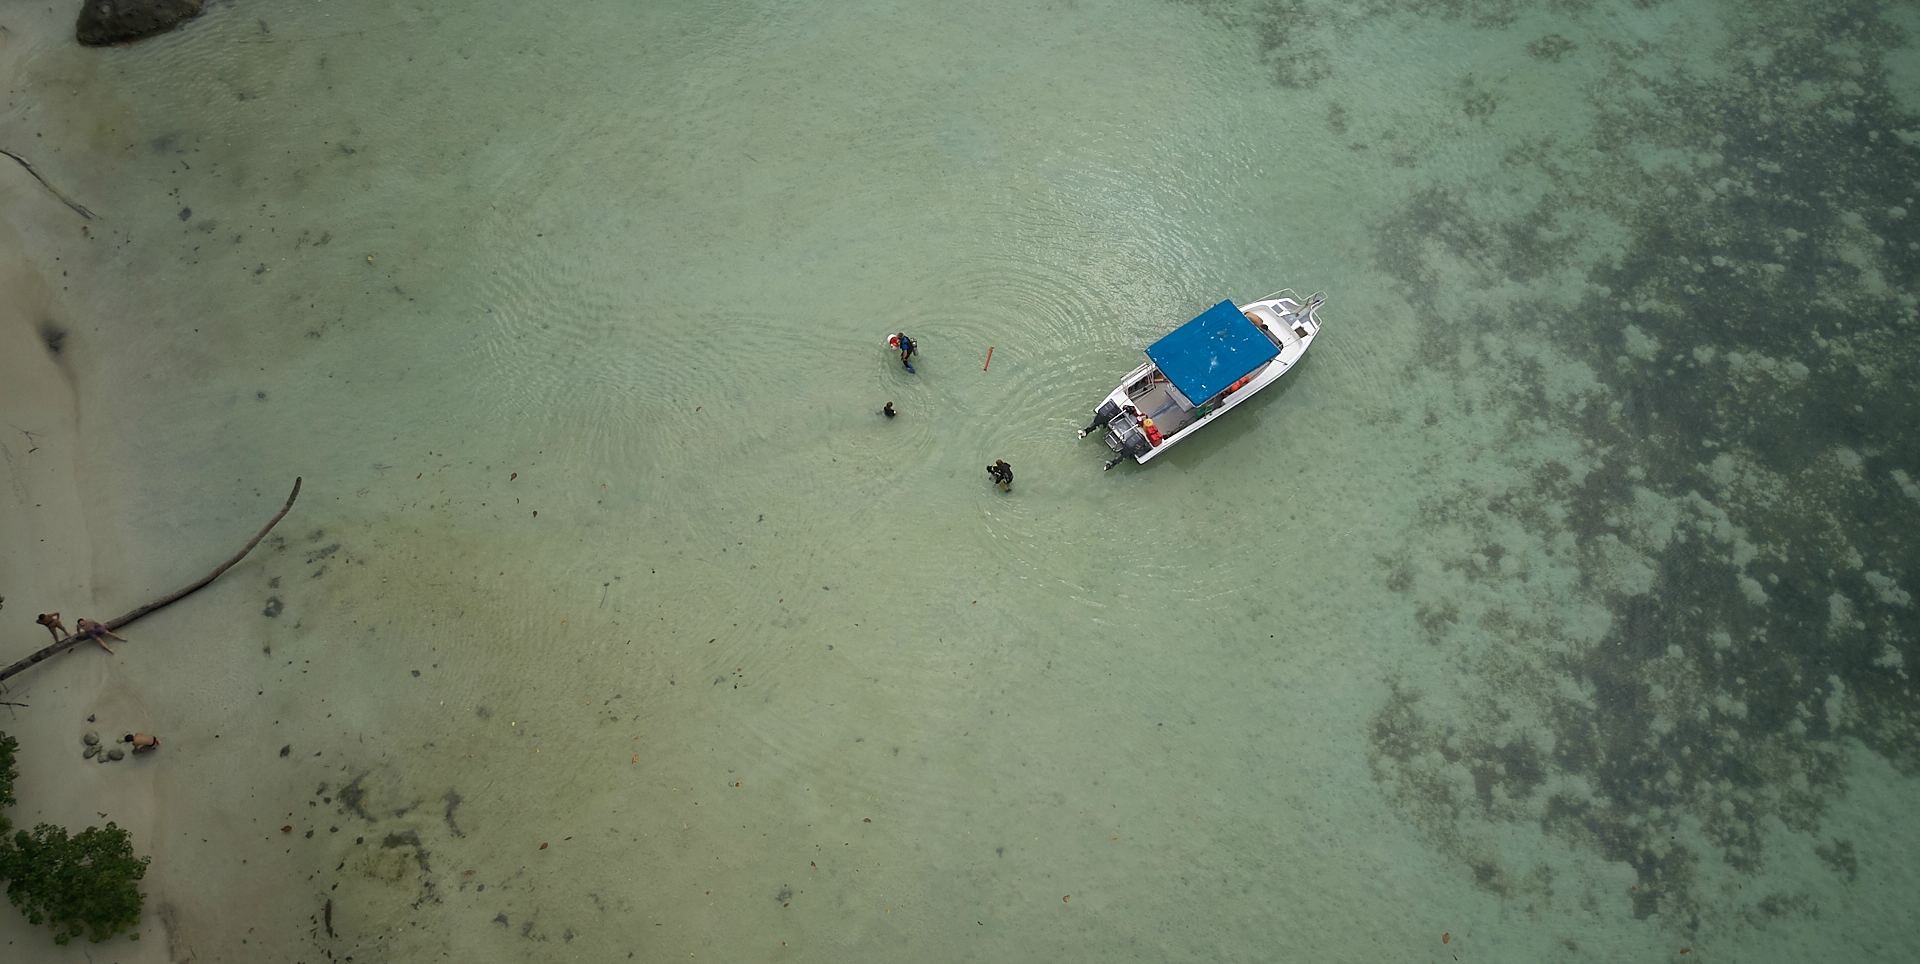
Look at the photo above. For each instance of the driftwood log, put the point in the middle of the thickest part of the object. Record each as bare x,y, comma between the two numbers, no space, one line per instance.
70,202
70,641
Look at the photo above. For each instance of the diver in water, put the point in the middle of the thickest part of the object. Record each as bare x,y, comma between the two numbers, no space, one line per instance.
907,346
1002,473
889,410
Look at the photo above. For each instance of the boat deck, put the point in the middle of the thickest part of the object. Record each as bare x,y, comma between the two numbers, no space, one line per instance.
1154,397
1271,322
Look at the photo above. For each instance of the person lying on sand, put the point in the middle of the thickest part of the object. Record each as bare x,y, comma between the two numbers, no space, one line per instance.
96,631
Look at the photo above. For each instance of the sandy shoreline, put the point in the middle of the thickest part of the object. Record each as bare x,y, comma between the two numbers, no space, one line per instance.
48,561
46,564
68,551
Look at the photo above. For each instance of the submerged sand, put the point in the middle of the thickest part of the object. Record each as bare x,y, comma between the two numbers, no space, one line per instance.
1539,609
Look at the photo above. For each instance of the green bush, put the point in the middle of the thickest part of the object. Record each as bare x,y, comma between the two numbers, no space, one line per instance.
82,885
78,885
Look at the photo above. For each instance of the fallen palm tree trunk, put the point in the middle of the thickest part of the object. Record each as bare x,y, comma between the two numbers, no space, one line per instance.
118,622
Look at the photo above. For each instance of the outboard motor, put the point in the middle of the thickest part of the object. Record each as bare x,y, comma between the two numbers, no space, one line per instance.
1102,415
1126,439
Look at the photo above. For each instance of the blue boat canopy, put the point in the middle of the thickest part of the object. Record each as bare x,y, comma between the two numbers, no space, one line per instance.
1209,353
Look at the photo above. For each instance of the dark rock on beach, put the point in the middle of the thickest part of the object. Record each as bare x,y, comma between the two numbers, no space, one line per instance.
105,22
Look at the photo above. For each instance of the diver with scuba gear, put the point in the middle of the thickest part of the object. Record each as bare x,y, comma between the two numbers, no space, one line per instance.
1002,474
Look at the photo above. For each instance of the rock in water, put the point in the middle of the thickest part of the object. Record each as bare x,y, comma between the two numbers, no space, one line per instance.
105,22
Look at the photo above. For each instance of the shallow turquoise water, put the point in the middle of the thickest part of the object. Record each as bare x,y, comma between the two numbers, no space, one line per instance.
1562,601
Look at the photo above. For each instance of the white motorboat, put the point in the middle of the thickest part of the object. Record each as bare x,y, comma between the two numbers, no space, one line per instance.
1199,371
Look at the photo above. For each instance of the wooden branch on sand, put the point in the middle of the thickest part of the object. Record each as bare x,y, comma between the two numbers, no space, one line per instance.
116,623
78,209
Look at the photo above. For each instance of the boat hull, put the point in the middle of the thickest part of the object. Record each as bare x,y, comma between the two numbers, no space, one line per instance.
1145,398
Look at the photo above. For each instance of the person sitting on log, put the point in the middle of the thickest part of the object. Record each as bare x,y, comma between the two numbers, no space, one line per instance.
52,622
96,631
